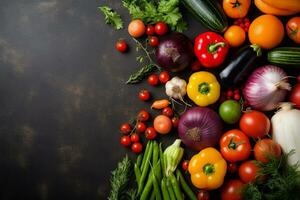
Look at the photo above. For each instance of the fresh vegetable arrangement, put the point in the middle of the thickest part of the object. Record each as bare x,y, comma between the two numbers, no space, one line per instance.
236,115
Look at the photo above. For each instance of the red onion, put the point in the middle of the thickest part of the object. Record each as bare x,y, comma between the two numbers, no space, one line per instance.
200,128
266,87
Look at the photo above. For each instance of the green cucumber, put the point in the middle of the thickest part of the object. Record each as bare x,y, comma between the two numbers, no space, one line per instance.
207,12
285,56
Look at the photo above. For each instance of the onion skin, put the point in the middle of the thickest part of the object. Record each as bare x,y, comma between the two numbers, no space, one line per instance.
199,128
175,52
266,87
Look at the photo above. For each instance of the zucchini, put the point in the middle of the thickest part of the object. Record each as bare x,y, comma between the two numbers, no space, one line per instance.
240,67
285,56
207,12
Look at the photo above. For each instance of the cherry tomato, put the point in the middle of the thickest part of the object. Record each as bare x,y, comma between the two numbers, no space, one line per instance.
150,133
136,28
135,137
232,167
137,147
144,95
175,122
153,80
237,97
150,30
266,148
125,128
164,77
153,41
295,95
141,127
232,190
125,141
161,28
235,146
293,29
143,116
185,165
121,46
195,66
162,124
167,111
255,124
248,171
203,195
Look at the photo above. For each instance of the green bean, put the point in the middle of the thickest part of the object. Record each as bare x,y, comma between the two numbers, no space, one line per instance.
176,187
149,183
162,161
188,191
170,189
149,144
164,189
145,169
139,160
137,172
152,197
155,152
156,187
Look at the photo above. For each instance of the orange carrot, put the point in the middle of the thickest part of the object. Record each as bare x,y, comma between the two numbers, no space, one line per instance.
160,104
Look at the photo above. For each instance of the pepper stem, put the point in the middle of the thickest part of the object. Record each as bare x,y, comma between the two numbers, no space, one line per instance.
212,48
208,169
257,49
203,88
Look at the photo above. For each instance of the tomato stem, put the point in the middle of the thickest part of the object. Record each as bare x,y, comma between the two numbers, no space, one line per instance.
236,4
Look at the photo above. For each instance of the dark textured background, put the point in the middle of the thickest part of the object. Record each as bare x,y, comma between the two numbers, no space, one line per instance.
63,97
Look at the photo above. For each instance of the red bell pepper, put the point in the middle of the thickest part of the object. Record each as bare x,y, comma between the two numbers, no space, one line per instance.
211,49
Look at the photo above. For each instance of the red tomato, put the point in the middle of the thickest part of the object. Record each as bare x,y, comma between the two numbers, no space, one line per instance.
144,95
162,124
255,124
235,146
185,165
121,46
141,127
150,30
248,171
135,137
266,148
125,141
196,66
164,77
232,167
137,147
153,80
203,195
167,111
295,95
150,133
175,122
153,41
161,28
125,128
232,190
143,116
136,28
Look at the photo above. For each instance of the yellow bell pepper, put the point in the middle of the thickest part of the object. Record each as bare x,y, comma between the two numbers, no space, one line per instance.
203,88
207,169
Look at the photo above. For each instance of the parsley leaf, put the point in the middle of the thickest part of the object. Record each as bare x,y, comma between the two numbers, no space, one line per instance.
112,17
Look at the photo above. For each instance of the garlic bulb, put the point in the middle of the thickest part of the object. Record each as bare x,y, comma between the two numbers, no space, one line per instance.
286,131
176,88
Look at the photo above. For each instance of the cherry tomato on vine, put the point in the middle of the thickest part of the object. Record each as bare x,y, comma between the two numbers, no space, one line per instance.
125,128
143,116
135,137
164,77
141,127
121,46
248,171
144,95
167,111
232,190
161,28
153,41
137,147
153,80
232,167
150,133
125,141
150,30
203,195
175,122
266,148
185,165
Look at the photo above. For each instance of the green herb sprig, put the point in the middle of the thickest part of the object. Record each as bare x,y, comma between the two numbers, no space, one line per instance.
112,17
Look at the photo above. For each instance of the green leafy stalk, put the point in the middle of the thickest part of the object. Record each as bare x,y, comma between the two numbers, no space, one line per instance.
119,179
112,17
